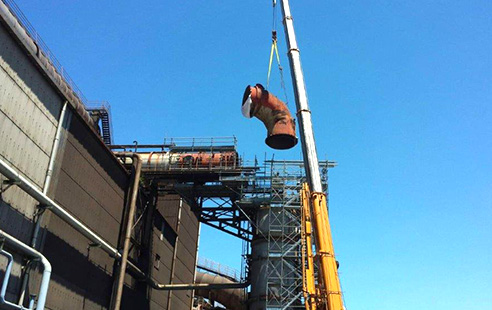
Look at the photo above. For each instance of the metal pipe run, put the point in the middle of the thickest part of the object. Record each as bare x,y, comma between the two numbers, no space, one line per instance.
45,280
56,144
120,274
34,192
47,182
275,115
175,252
200,286
49,204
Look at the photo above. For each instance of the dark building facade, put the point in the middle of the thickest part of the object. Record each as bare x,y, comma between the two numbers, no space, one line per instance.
89,182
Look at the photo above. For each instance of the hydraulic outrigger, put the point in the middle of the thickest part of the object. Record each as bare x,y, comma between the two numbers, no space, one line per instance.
328,294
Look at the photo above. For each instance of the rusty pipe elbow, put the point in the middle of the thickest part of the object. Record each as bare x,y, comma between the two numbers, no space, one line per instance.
274,114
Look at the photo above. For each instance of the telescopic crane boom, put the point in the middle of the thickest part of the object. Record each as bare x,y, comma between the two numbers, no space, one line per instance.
330,296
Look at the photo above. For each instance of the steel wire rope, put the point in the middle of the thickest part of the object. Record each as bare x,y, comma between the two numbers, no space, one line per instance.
274,49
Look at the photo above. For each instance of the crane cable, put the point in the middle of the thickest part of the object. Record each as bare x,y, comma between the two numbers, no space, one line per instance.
274,49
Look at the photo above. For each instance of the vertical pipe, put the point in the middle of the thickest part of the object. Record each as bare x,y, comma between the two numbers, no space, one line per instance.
49,172
175,253
56,144
303,113
196,259
6,277
121,270
47,182
43,289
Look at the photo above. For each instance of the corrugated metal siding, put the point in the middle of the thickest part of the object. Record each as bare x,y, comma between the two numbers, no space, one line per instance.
29,112
91,185
168,207
163,273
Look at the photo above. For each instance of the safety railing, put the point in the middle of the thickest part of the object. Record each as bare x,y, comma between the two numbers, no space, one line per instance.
218,269
43,48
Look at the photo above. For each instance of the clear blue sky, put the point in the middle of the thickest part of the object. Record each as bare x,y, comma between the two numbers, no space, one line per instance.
401,98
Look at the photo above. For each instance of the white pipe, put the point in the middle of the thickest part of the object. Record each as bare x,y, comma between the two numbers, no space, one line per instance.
196,258
304,114
34,192
175,252
54,152
47,182
37,194
45,280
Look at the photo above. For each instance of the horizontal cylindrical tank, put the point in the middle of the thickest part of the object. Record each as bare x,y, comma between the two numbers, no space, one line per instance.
163,161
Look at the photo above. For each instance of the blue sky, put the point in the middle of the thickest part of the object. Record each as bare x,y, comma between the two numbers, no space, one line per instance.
400,93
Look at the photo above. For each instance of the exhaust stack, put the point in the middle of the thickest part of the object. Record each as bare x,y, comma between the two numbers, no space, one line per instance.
273,113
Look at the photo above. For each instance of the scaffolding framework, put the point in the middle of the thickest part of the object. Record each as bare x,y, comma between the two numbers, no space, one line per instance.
258,203
278,243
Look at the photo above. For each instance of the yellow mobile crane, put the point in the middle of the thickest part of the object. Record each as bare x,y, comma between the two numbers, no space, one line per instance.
326,293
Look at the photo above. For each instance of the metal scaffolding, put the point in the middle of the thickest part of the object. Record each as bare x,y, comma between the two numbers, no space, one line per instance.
284,267
276,259
256,202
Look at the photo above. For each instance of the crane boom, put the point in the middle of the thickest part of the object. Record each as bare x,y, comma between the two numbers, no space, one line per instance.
330,296
303,113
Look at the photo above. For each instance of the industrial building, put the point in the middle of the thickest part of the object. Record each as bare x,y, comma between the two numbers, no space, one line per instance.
86,224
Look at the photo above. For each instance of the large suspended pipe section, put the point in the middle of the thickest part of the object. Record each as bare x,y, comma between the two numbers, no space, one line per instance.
274,114
45,280
323,239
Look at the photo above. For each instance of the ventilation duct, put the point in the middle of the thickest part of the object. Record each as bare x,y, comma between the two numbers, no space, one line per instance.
273,113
